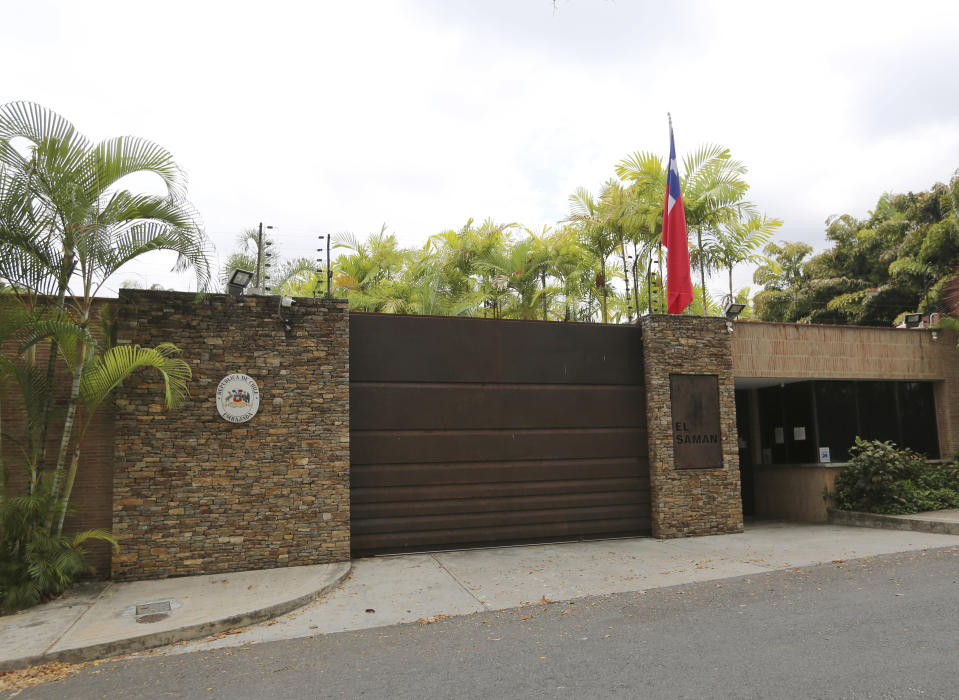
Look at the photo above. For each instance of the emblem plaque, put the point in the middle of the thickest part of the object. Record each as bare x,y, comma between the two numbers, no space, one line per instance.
237,398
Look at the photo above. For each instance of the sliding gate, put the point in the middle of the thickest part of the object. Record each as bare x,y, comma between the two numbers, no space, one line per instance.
471,431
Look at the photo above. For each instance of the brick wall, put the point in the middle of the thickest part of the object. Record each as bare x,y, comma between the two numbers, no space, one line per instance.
194,493
92,497
689,502
804,351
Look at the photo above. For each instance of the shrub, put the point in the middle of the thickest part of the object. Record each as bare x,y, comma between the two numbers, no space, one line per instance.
882,478
36,562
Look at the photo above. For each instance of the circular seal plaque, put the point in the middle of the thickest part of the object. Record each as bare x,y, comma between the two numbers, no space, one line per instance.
237,398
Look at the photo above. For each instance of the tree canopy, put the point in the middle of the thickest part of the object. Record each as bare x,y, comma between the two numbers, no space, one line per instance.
602,263
901,258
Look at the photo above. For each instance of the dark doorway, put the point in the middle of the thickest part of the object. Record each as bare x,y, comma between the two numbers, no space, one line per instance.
744,438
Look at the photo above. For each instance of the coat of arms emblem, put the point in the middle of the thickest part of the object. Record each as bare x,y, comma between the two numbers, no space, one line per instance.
237,398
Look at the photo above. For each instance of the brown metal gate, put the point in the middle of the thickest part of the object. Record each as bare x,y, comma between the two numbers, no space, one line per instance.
472,431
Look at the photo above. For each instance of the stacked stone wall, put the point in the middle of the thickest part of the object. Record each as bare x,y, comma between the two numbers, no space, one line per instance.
194,493
687,502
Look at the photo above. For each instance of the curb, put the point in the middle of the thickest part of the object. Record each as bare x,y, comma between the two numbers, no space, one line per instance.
180,634
892,522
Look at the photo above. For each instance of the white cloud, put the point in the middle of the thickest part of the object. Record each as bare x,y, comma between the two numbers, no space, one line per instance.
330,116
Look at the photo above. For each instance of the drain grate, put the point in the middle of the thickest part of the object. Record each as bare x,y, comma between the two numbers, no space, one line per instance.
155,617
160,606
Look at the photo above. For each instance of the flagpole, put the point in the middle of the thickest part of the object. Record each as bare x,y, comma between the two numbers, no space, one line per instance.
662,281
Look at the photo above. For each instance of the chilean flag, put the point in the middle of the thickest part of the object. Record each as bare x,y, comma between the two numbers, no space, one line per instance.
679,285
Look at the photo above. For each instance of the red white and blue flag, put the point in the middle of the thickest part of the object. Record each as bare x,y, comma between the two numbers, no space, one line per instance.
679,284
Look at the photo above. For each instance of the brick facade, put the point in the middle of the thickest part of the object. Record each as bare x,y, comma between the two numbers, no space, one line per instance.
688,502
91,501
194,493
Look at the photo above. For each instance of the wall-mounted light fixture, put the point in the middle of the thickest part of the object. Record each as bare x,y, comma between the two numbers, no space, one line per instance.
913,320
733,310
238,281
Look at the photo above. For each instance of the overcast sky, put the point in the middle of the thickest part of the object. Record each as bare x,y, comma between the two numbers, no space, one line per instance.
321,117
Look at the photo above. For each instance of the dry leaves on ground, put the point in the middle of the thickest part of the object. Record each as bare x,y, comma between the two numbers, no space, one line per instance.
434,618
38,675
221,635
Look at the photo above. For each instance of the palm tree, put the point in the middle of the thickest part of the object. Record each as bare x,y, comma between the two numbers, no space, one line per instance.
547,251
597,235
714,193
85,226
644,203
739,242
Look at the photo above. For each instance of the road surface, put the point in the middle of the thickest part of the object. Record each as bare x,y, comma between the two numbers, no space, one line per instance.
885,627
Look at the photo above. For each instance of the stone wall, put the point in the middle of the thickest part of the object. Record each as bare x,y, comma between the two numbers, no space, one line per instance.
688,502
194,493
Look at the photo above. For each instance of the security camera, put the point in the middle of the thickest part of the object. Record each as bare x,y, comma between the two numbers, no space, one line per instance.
287,302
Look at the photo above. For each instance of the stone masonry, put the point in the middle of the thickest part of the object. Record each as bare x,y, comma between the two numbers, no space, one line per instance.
688,502
194,493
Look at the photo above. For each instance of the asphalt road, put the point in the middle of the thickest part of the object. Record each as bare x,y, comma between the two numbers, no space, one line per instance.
886,627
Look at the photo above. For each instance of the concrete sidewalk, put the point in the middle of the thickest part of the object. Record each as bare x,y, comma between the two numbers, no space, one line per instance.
421,587
98,620
95,620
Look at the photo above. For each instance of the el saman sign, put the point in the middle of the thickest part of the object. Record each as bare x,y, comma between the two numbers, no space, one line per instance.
697,440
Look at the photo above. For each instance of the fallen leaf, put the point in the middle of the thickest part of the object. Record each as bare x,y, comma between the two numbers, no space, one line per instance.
38,675
434,618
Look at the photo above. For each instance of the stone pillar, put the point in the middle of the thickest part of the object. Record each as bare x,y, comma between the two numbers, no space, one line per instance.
688,502
196,494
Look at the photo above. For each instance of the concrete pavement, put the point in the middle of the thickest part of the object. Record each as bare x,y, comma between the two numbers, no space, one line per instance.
99,620
423,587
95,620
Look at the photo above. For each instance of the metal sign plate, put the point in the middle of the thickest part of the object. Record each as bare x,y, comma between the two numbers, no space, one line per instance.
697,440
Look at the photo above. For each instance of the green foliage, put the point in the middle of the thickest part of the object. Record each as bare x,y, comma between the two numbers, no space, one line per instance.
35,564
604,263
67,223
882,478
899,259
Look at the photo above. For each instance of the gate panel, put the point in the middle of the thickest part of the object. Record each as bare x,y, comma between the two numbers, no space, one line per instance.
472,431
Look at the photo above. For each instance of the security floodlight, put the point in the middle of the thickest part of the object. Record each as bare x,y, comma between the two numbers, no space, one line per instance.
733,310
913,320
238,281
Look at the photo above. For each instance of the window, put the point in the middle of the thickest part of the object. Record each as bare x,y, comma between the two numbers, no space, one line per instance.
796,419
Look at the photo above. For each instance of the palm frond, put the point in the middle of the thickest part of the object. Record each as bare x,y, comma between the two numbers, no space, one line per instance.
108,370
